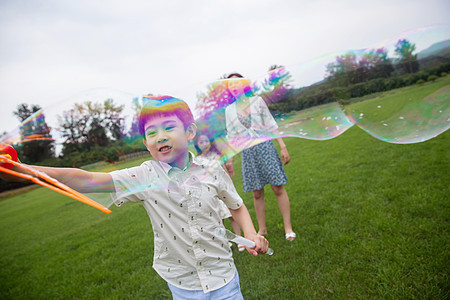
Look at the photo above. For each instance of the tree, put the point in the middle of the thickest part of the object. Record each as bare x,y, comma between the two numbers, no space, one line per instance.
407,61
134,135
36,143
73,127
377,63
91,124
356,67
23,112
113,120
342,71
276,87
210,109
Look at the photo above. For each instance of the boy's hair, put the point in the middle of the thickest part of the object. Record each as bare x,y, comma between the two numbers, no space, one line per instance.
154,106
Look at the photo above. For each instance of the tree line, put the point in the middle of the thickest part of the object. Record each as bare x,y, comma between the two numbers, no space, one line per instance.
91,132
354,75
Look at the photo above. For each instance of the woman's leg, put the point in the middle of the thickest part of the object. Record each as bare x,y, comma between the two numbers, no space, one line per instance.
283,204
260,209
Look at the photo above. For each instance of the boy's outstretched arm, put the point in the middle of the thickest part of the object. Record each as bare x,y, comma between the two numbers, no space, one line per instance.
242,216
80,180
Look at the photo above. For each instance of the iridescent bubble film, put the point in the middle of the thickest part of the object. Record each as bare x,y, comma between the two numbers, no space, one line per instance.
398,91
413,123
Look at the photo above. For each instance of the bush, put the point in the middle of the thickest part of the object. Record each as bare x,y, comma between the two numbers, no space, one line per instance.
432,78
340,93
393,83
334,90
6,185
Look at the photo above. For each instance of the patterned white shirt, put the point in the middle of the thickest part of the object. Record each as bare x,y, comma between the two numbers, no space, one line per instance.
183,206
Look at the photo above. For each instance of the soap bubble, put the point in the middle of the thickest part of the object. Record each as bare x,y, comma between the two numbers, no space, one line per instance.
396,91
375,89
415,122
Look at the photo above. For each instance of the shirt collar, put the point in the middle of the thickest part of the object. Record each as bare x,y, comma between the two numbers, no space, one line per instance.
169,170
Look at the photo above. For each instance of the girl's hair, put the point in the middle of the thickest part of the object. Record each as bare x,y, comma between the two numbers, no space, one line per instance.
211,141
235,74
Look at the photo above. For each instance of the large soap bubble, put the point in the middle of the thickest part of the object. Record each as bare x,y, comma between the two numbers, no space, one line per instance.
397,91
414,122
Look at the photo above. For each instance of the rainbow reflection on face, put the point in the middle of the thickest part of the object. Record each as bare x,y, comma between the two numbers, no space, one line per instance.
239,87
164,105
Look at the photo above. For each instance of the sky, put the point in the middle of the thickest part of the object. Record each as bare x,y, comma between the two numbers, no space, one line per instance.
52,50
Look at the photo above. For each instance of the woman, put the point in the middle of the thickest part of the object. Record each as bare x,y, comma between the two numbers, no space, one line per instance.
249,120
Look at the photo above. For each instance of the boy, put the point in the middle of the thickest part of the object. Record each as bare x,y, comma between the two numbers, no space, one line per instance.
181,196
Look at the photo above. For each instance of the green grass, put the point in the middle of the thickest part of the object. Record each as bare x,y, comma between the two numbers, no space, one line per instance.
372,222
391,102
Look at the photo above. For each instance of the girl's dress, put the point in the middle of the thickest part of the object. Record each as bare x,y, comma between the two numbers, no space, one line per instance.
261,164
224,212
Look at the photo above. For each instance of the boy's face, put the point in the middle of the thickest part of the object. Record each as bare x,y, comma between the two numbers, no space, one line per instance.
167,140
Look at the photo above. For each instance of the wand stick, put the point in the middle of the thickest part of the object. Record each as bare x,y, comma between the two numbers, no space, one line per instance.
228,235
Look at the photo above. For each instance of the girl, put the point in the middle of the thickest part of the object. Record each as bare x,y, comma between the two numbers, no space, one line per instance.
207,150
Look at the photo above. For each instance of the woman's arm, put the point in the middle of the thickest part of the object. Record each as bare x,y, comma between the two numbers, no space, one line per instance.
285,158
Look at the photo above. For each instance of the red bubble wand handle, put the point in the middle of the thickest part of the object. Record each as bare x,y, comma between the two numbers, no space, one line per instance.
9,153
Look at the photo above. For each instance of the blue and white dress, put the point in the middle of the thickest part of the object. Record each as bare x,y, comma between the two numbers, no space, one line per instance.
261,164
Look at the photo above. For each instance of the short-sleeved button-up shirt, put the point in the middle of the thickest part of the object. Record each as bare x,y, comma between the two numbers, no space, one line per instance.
261,120
183,206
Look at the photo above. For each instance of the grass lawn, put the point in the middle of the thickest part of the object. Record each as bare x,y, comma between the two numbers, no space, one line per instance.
372,222
391,102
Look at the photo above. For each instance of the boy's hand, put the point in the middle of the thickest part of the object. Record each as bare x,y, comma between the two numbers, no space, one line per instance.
261,245
8,152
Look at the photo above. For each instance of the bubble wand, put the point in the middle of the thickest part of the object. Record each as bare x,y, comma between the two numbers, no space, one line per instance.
7,162
228,235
